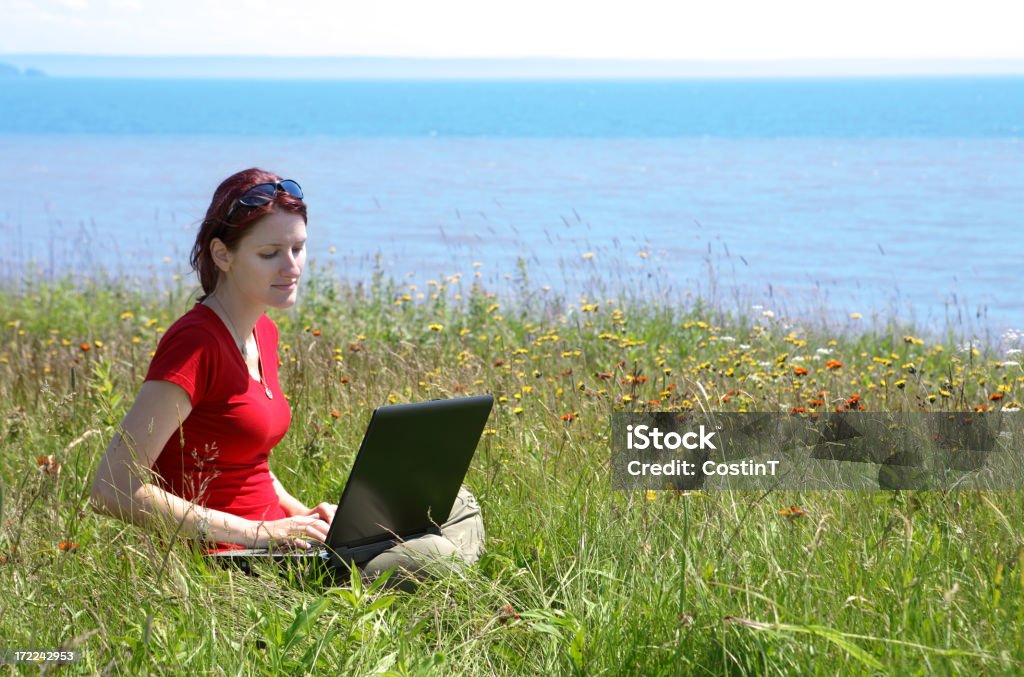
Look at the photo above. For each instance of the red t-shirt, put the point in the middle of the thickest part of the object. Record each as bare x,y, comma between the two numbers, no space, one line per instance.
218,456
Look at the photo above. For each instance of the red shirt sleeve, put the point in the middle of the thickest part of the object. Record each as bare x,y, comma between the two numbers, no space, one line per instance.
186,356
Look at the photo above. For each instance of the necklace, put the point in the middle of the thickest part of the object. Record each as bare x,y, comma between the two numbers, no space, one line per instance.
241,346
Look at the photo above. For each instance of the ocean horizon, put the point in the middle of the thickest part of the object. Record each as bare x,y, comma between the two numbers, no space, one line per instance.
893,197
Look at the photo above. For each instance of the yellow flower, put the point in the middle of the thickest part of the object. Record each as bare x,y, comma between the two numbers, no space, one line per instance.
436,327
588,256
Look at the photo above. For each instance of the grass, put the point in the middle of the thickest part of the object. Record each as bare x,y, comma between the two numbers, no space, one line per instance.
577,579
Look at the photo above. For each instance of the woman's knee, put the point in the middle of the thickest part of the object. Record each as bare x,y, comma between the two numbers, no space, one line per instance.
465,527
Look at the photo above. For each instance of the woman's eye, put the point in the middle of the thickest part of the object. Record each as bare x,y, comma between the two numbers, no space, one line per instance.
297,251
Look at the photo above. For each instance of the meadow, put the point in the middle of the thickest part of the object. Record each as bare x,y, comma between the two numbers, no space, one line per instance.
577,578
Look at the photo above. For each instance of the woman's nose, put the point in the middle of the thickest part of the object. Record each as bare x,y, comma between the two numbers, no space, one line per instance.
293,263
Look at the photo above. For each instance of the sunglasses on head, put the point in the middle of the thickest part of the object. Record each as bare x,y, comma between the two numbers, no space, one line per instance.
264,193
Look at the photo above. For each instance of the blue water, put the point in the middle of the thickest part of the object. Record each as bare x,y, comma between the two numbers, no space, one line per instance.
887,197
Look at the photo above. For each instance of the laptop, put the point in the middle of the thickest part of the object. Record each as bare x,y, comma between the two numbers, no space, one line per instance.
402,485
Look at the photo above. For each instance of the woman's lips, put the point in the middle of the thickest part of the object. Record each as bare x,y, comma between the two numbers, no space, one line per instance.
285,287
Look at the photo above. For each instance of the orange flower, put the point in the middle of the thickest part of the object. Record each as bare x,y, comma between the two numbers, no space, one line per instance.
569,417
800,371
995,397
834,364
316,332
603,375
335,413
48,466
507,613
498,362
67,546
354,347
797,410
567,372
817,403
85,347
793,512
343,379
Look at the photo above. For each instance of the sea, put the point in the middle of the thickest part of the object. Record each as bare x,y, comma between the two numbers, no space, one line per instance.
885,198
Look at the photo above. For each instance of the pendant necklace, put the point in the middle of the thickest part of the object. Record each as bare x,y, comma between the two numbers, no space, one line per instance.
241,346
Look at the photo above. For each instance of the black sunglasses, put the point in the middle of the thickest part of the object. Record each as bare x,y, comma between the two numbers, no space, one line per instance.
264,193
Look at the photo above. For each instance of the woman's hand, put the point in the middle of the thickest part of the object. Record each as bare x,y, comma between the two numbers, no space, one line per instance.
290,532
324,511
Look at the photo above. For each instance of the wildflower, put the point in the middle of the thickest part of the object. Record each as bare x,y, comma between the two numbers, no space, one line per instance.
855,316
650,494
792,512
85,347
48,466
797,410
994,397
569,417
800,371
588,256
67,546
490,431
517,411
343,379
436,327
833,365
354,347
507,613
316,332
498,362
335,413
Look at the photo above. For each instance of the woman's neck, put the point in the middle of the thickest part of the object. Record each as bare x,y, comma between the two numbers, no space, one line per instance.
239,314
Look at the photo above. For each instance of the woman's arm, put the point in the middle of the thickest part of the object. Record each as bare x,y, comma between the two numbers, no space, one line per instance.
288,503
121,487
294,507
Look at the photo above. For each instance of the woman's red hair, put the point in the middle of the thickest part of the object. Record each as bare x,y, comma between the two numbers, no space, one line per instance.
217,225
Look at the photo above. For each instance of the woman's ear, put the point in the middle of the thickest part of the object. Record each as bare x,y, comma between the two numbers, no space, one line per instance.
220,254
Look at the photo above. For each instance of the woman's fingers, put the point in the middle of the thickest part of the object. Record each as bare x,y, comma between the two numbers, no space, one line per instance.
325,511
312,527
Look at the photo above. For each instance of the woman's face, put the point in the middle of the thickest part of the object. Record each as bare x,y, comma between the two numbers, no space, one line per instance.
265,267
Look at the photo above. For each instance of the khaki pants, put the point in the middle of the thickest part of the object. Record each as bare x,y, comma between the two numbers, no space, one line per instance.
461,541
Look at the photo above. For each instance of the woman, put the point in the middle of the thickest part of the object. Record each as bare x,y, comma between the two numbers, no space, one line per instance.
193,451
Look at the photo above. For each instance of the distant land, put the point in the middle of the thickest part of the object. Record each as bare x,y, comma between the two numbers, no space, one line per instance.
327,68
9,71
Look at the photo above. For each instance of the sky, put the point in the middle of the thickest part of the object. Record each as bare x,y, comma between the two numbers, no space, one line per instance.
705,30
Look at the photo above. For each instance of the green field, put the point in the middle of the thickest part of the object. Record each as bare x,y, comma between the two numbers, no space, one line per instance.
577,578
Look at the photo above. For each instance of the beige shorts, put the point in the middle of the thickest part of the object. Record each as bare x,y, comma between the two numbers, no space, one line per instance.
461,541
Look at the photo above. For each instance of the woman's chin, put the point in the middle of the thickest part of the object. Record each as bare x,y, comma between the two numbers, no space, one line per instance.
284,303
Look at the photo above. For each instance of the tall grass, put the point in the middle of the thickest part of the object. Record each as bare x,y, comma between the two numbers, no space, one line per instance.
577,579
